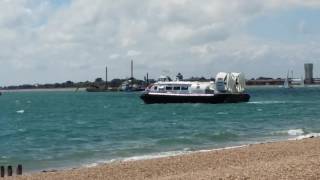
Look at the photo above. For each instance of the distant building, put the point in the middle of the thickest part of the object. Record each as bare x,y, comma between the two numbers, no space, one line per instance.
308,69
264,78
265,81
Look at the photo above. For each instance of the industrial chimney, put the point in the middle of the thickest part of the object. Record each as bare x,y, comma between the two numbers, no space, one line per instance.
106,86
131,69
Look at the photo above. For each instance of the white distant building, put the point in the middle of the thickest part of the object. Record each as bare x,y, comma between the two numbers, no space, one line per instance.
308,69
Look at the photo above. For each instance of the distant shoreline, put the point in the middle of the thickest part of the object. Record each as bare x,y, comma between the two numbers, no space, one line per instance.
43,90
84,89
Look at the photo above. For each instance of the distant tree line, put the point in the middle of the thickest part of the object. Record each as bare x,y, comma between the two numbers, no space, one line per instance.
114,83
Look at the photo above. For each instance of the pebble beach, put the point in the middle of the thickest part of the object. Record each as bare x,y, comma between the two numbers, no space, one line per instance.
294,159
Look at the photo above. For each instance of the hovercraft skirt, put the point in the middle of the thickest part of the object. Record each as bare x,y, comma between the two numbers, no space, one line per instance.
212,99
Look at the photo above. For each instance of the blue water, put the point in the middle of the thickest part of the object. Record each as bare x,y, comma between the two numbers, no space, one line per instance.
44,130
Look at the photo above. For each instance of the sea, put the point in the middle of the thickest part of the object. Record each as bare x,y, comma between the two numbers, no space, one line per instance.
64,129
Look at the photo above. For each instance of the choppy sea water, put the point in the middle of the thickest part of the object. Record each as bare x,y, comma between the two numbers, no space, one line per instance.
50,130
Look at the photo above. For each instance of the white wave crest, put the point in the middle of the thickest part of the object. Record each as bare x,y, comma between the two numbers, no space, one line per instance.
222,113
290,132
20,111
267,102
295,132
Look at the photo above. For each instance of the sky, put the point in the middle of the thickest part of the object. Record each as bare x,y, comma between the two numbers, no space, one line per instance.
48,41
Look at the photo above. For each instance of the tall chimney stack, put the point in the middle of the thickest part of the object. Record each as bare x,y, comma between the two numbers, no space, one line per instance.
106,77
131,69
148,78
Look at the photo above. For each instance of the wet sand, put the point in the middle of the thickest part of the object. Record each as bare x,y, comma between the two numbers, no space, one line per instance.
298,159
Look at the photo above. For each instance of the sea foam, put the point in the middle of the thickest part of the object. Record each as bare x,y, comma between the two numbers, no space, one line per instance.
306,136
157,155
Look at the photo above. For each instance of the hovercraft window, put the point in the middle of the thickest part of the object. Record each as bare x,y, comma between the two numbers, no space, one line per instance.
168,88
176,88
155,87
161,88
184,88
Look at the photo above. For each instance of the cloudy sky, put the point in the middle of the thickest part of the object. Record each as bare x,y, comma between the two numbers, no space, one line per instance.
57,40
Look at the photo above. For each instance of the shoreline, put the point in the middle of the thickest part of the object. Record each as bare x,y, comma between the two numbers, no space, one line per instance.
165,154
151,156
234,162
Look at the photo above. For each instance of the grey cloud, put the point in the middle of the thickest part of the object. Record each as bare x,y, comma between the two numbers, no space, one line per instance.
78,40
